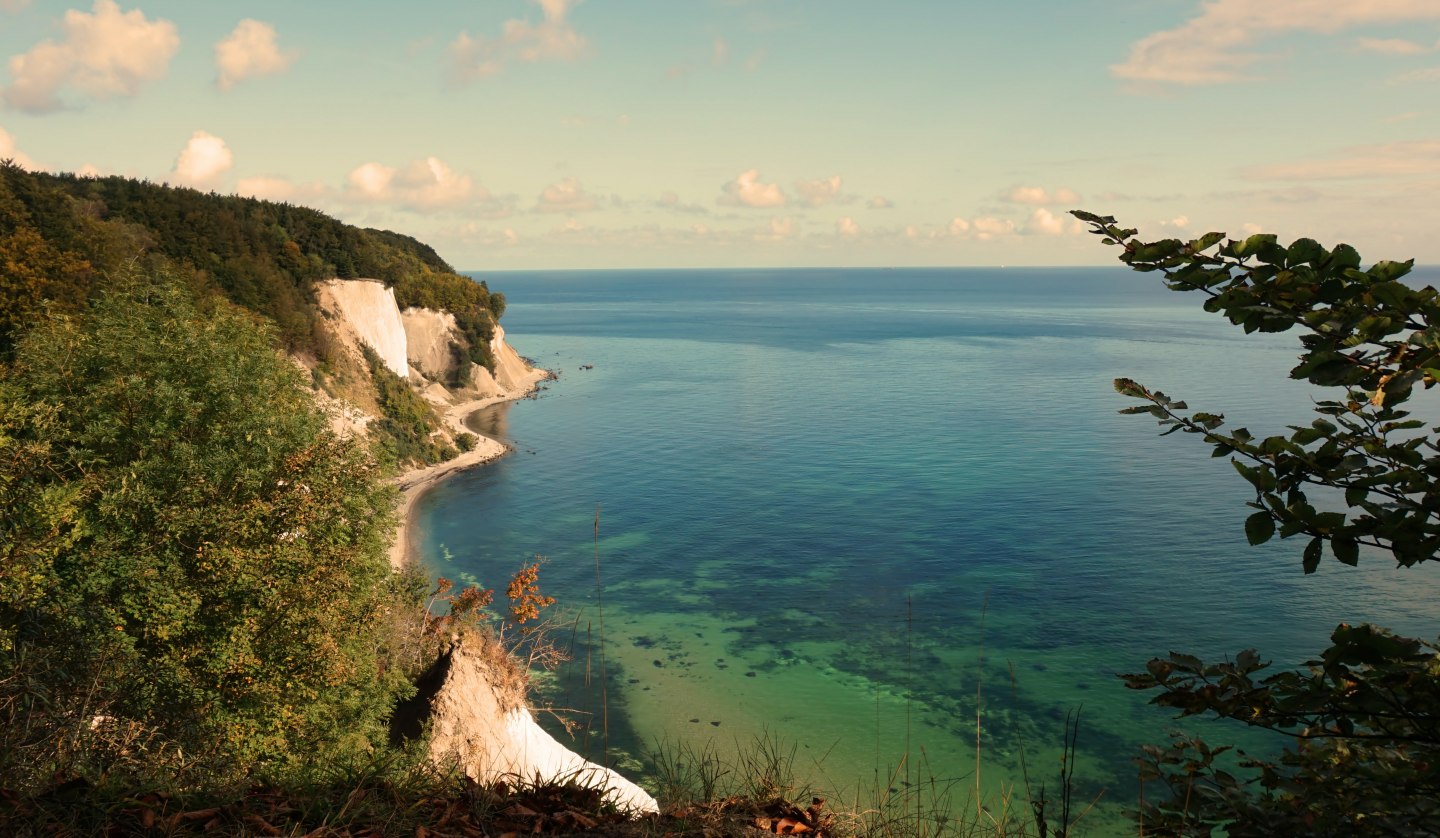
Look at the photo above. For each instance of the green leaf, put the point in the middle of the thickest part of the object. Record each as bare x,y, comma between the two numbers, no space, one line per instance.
1346,550
1206,241
1303,251
1260,478
1390,293
1156,251
1259,527
1311,560
1386,270
1127,387
1189,662
1254,243
1344,257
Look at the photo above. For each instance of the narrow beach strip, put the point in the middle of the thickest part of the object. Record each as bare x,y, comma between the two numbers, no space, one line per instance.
416,482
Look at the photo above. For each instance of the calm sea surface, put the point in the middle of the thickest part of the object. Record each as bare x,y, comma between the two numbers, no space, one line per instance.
839,505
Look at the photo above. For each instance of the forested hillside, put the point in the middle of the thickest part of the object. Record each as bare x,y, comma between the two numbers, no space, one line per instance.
62,235
197,605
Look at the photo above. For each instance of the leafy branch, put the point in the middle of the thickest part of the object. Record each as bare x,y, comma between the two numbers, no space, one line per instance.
1362,717
1366,333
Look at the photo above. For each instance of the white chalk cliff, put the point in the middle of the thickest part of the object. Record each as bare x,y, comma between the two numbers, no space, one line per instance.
422,345
369,308
511,371
430,338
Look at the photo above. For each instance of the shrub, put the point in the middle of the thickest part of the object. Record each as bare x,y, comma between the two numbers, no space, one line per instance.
195,554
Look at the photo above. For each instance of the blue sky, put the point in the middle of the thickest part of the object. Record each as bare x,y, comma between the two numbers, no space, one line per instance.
662,133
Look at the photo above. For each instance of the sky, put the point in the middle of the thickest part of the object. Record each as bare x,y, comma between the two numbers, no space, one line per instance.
563,134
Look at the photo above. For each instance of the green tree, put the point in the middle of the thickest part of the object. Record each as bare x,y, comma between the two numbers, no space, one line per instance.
1365,715
188,550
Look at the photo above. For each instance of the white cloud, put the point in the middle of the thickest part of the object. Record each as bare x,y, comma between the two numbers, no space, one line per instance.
847,228
102,54
566,196
1046,223
880,202
421,186
1391,46
818,193
671,201
279,189
1038,196
13,5
203,160
958,226
425,186
1386,160
472,232
249,52
1250,228
552,39
1179,222
9,151
1218,44
1424,75
988,228
746,190
778,229
371,181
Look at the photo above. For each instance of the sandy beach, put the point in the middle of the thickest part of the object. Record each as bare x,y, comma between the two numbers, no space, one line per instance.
416,482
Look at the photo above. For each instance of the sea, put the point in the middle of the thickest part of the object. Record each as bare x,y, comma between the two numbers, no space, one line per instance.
889,523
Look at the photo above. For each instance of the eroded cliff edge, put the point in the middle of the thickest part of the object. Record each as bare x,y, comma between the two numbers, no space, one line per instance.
479,724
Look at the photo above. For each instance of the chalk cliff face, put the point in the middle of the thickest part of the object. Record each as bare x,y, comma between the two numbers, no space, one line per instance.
486,731
431,341
370,310
433,346
423,345
511,371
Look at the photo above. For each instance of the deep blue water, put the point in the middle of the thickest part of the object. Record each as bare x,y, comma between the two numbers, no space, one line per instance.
834,503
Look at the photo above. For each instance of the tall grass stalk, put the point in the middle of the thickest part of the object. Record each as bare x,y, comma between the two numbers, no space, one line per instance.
604,675
979,683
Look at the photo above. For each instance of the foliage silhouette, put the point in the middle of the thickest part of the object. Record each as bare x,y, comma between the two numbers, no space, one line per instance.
1363,715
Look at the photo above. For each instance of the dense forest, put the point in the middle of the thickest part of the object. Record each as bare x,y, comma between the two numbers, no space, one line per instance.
61,235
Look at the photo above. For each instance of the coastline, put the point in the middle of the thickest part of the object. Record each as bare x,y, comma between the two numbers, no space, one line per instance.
416,482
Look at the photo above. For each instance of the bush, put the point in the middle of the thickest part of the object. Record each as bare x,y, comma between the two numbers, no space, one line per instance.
408,425
190,552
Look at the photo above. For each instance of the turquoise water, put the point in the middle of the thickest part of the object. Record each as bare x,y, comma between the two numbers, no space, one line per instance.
835,504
